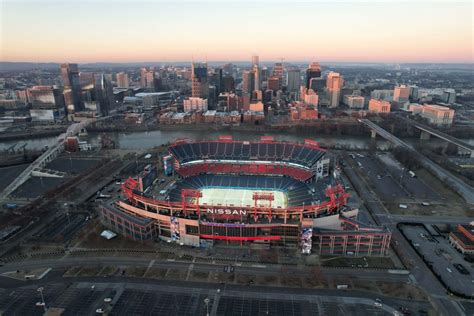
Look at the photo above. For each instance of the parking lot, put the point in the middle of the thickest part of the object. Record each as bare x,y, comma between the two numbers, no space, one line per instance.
62,228
384,184
438,253
89,298
73,164
392,181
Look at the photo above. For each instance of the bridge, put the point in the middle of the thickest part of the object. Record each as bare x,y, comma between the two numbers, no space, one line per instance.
465,190
49,155
426,131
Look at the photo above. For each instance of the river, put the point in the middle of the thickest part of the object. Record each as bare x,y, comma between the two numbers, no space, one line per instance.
144,140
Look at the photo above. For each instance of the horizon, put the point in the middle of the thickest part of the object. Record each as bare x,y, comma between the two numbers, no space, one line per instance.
143,32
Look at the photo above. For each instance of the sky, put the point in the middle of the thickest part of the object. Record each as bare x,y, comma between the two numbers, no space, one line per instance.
138,31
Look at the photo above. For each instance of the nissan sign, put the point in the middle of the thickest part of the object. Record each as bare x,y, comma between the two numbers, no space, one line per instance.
226,211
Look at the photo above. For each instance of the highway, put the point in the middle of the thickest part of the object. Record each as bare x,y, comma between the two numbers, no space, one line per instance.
441,135
458,185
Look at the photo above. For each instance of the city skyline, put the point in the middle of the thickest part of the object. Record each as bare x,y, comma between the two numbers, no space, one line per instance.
233,31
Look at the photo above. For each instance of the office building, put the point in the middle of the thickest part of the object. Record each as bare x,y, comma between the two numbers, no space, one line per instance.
104,95
217,80
256,73
278,71
228,84
86,78
72,86
414,93
438,115
198,104
449,96
463,238
122,80
293,79
200,84
379,106
248,82
264,74
386,95
401,93
273,84
313,71
354,101
334,84
311,98
255,60
47,103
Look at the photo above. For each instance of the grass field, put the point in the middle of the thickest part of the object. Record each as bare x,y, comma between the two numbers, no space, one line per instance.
239,197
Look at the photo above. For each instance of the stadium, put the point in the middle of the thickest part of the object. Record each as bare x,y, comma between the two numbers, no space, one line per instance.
243,192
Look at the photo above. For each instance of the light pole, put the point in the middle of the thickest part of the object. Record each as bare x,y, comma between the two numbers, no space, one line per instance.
206,301
40,290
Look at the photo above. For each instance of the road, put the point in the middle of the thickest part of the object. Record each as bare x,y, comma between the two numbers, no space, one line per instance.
234,290
362,274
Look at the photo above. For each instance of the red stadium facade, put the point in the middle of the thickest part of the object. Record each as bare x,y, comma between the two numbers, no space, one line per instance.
301,171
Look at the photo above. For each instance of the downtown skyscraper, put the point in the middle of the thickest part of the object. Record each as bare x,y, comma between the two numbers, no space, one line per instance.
200,83
72,87
334,84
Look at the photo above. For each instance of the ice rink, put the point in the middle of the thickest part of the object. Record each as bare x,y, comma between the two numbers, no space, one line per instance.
239,197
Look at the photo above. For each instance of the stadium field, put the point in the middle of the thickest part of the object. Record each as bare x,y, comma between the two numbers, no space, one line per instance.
240,197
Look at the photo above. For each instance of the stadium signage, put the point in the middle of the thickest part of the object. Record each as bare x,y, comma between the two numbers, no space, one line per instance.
226,211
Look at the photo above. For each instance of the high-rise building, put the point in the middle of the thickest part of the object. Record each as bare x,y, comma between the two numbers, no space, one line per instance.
217,80
228,84
255,60
72,85
248,82
143,72
200,84
278,71
293,79
148,79
256,73
334,84
311,98
273,84
47,103
86,78
122,80
354,101
264,74
449,96
313,71
401,93
104,95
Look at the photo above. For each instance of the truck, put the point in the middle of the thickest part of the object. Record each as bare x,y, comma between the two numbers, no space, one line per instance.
411,173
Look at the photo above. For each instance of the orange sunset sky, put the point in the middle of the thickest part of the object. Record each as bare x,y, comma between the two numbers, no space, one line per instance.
126,31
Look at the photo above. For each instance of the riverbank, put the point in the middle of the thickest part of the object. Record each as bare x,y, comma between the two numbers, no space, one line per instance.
31,134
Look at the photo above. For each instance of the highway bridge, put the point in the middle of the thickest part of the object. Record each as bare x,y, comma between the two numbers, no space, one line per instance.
426,131
465,190
49,155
